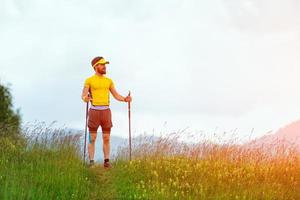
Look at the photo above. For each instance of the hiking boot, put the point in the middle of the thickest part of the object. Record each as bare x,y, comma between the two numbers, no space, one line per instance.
92,163
106,164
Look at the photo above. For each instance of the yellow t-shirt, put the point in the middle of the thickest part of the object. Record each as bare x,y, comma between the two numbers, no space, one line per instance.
99,89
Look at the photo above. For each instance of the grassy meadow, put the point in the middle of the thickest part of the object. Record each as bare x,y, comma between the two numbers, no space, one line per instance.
43,164
46,163
221,173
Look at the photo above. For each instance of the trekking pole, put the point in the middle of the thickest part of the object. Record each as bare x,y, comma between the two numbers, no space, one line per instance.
85,130
129,121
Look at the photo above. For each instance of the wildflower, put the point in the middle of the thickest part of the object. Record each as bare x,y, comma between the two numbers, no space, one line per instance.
155,173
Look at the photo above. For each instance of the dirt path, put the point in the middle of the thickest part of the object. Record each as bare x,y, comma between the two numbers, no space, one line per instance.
104,187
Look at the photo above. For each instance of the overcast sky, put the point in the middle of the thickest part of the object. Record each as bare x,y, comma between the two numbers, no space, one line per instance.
209,66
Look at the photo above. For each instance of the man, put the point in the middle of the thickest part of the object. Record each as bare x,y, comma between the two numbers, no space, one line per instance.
96,90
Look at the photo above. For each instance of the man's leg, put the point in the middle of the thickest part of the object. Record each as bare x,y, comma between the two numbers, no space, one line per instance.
91,145
106,129
93,124
106,143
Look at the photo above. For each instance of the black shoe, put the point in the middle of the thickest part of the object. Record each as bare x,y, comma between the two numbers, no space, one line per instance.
106,164
92,163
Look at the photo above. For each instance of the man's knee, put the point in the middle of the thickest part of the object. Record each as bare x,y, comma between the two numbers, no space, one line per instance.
106,136
92,136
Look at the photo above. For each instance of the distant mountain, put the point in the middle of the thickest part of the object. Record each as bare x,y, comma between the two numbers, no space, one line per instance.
289,136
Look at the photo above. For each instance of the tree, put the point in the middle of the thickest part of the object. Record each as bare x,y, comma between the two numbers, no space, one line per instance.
11,138
7,114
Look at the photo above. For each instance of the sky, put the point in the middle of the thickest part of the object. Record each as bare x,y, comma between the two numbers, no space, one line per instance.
199,66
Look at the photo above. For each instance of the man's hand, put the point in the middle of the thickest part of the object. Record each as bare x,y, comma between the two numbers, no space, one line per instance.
128,99
86,98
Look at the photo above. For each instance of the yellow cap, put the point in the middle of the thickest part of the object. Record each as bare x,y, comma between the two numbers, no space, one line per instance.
101,61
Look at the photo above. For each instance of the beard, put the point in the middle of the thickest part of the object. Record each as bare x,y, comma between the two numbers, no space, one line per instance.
103,71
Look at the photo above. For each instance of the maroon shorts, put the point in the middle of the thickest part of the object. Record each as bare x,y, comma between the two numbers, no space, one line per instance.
100,118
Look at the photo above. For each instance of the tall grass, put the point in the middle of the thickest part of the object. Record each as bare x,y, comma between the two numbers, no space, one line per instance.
45,163
166,168
42,163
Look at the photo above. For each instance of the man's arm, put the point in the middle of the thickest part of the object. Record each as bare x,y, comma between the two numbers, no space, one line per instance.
117,96
85,94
